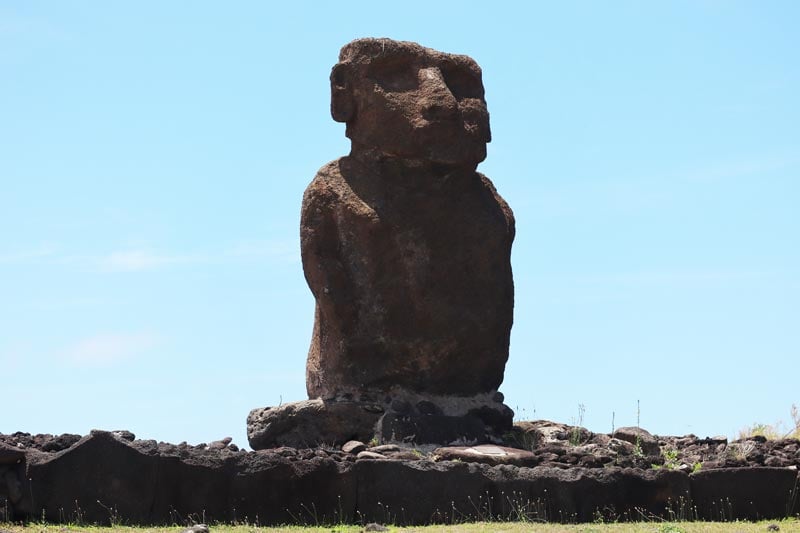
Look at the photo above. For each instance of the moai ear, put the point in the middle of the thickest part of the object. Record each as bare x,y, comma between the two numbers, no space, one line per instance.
342,104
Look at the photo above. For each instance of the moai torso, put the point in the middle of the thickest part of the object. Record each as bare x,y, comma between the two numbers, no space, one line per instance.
405,246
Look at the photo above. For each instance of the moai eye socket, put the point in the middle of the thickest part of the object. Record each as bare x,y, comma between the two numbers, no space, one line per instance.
462,81
394,74
339,78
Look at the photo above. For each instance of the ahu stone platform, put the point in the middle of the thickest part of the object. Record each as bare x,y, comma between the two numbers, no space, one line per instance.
109,477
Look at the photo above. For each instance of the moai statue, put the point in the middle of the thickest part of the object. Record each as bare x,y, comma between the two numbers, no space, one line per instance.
406,249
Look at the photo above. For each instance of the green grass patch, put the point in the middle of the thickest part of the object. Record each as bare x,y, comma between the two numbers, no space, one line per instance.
788,525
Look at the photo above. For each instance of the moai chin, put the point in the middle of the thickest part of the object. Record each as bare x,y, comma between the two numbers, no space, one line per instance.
406,247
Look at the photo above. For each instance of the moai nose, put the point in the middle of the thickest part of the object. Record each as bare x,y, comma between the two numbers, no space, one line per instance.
437,100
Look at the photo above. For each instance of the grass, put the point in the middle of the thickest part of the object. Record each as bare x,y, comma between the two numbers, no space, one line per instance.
775,431
789,525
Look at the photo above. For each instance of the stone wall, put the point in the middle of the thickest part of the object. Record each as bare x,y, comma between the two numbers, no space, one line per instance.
106,478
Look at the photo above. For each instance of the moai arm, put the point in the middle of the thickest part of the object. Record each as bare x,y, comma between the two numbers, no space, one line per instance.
323,264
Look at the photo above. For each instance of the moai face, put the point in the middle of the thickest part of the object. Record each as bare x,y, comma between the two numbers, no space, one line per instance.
411,102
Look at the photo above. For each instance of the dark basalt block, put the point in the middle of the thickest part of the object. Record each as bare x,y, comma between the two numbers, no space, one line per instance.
754,493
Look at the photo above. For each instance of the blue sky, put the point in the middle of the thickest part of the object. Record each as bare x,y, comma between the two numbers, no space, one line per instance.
153,156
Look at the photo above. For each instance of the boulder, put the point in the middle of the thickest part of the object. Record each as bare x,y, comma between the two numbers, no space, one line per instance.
529,434
309,423
646,442
61,442
353,446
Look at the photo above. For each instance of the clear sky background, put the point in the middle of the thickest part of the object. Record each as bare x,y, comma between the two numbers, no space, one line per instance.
153,157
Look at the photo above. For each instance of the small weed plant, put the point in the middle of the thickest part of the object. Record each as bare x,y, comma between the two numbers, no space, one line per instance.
577,425
671,461
740,450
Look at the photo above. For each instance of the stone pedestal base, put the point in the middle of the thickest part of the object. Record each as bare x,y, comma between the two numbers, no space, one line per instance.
399,417
311,423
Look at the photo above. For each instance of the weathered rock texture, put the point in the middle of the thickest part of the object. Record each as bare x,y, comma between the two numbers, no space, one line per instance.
12,479
418,419
108,477
406,249
405,246
308,423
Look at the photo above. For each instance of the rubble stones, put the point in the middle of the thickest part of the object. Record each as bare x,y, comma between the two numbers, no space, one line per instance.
124,434
41,441
553,443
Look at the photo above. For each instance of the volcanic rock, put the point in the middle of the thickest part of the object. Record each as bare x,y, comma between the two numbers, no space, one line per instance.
12,482
406,249
366,454
431,428
765,492
147,482
489,454
647,443
311,422
405,246
353,446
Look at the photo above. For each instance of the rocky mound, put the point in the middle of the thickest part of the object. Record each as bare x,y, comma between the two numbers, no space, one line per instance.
561,445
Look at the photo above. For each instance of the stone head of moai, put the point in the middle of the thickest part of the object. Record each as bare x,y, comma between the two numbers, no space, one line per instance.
407,101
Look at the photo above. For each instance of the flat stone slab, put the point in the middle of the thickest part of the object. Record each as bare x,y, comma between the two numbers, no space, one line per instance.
487,454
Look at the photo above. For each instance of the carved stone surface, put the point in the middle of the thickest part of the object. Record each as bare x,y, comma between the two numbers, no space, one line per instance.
406,249
405,246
